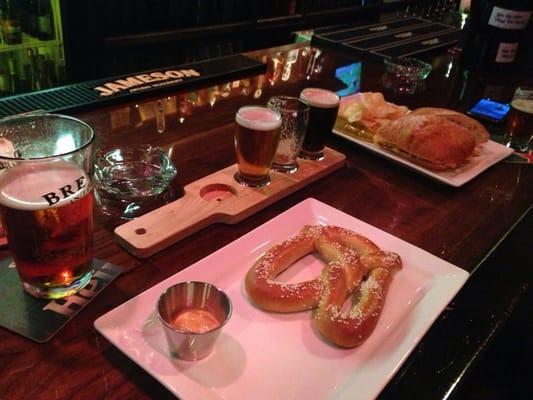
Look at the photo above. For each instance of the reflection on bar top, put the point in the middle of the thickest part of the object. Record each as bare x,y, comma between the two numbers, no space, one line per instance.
290,66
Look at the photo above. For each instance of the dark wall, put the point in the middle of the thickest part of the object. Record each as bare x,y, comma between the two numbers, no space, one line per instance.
112,37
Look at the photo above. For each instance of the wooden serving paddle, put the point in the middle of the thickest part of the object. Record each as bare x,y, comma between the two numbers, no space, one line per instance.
216,198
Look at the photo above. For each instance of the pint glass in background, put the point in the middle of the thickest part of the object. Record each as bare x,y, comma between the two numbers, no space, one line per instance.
46,201
324,106
257,131
519,130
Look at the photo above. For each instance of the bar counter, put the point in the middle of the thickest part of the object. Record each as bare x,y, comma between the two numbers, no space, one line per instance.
483,227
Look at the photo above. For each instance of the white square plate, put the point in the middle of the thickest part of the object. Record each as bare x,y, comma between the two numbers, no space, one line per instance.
264,355
489,154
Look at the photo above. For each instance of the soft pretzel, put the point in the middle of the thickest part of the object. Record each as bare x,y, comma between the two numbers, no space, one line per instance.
350,328
271,295
354,264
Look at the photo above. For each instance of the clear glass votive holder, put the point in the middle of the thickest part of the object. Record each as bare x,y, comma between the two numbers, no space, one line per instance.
131,181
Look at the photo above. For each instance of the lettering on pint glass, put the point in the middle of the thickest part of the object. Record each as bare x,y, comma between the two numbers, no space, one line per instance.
65,192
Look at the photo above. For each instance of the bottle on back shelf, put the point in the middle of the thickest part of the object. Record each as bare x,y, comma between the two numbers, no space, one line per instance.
5,89
45,20
29,20
13,79
11,27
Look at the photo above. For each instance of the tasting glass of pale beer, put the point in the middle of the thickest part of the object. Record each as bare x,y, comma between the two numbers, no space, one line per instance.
519,130
257,132
324,106
46,201
294,116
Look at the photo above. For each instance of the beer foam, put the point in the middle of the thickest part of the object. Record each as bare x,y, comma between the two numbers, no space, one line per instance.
22,187
320,98
523,105
258,118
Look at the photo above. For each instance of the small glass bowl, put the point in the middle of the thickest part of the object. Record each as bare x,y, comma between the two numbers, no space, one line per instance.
407,66
406,72
132,180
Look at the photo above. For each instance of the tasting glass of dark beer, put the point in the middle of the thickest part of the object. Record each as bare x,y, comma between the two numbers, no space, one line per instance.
46,201
324,106
257,131
519,130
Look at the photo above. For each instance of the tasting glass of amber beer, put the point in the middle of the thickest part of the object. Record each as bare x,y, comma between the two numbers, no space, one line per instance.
46,201
519,130
324,106
257,131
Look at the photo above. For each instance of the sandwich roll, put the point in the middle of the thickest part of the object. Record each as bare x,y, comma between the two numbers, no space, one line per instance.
433,141
465,121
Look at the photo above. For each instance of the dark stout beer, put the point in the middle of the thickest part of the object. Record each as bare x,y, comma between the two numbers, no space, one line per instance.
48,214
257,131
324,106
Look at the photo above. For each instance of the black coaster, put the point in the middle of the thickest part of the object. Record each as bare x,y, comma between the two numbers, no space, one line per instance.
41,319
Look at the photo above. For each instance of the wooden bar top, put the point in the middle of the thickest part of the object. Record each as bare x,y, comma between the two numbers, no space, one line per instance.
464,226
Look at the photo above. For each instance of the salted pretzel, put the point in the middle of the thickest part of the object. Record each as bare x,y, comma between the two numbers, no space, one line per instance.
350,328
271,295
354,264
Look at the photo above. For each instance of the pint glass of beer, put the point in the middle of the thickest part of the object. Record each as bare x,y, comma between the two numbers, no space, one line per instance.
257,131
324,108
46,201
519,130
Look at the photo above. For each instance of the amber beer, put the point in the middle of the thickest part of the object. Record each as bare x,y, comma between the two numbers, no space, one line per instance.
324,106
48,214
519,132
257,132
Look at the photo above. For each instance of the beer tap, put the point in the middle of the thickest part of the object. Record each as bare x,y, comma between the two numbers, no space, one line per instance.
245,91
259,89
160,117
311,66
277,61
214,93
292,57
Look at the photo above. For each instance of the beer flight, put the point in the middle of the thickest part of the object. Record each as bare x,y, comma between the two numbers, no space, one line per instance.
46,185
300,125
